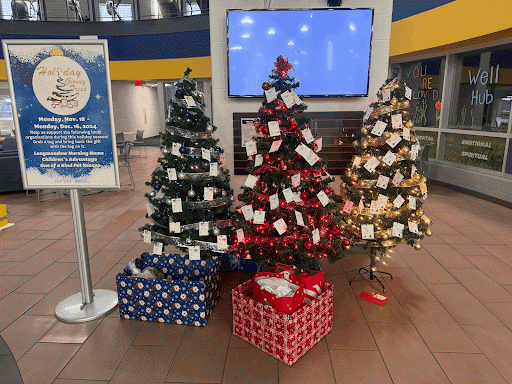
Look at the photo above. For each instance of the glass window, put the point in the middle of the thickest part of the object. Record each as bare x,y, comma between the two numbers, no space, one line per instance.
123,10
32,9
425,78
483,91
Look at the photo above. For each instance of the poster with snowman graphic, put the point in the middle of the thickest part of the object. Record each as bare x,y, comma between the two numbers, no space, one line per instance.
62,109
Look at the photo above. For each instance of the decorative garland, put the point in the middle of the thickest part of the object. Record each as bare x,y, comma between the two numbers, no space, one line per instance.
188,134
200,175
176,241
206,204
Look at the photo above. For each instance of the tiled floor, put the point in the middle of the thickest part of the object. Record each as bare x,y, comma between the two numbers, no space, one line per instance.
448,318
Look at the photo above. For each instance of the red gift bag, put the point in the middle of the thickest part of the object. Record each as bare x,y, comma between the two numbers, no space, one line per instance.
313,285
286,305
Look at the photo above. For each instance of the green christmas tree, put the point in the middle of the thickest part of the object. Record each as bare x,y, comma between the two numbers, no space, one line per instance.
63,92
190,197
288,216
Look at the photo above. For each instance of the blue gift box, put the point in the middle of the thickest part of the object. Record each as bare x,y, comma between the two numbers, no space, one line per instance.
187,295
231,262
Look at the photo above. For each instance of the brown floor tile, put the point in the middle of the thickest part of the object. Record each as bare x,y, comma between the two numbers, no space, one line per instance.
350,330
502,311
46,280
121,245
59,231
43,362
99,222
502,252
407,286
405,354
37,263
144,364
447,256
361,367
14,305
65,245
496,343
470,249
462,305
342,290
251,366
406,249
507,239
493,267
52,222
6,266
209,345
9,284
392,259
70,333
108,281
457,239
70,381
169,335
93,246
25,331
391,312
102,263
481,286
428,269
103,350
469,368
27,250
477,236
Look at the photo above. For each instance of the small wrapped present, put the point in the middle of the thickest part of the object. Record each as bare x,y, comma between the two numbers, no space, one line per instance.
187,294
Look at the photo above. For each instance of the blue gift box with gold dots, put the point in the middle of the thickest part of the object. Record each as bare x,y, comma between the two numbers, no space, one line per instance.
186,295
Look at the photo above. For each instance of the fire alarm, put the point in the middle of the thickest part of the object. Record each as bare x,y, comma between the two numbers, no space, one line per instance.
138,83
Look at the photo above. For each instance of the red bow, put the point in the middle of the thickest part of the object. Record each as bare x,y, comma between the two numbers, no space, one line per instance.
282,65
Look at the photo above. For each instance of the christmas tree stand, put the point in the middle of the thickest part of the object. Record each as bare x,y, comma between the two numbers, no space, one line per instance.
372,271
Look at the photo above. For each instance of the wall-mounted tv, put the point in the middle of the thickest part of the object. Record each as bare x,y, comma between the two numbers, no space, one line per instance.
329,48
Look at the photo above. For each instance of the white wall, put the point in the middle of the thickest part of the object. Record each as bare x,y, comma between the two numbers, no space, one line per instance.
132,103
224,107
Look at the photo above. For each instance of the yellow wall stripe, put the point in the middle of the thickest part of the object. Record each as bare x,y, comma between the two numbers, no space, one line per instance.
152,69
451,23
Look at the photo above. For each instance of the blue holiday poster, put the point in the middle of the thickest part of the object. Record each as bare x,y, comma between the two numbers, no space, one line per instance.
61,96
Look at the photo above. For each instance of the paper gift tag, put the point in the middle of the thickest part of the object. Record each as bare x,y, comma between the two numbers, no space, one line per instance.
413,170
275,146
204,228
425,196
412,202
280,226
415,149
413,227
147,237
396,121
296,180
371,164
214,169
312,158
206,154
382,200
367,114
222,242
240,236
423,188
308,136
296,197
208,193
160,194
361,205
406,134
288,195
347,208
171,174
259,217
299,218
296,98
248,212
274,201
175,150
398,230
288,99
302,150
386,95
190,102
319,144
367,232
382,182
158,248
251,181
356,161
316,236
271,94
176,205
250,148
175,227
150,209
194,252
397,179
378,128
323,198
394,140
398,201
375,207
389,159
258,160
273,128
408,92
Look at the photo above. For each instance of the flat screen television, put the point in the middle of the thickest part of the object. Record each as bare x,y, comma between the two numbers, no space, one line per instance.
330,50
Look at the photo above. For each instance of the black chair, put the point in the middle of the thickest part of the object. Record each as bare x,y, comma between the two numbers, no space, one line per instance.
423,162
139,141
19,10
10,172
125,156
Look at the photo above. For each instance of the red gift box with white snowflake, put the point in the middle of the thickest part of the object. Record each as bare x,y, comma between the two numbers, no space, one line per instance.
285,337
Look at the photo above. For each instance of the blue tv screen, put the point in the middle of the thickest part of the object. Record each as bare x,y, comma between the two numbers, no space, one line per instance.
328,48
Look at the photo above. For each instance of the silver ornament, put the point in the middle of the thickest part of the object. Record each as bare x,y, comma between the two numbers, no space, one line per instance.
168,201
224,193
152,194
216,231
191,193
181,176
209,128
165,150
188,241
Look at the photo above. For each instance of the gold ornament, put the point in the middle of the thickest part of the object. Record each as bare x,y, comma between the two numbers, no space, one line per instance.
423,179
425,219
428,232
394,101
355,143
405,150
355,177
386,135
416,177
409,124
405,114
349,221
389,205
347,247
364,131
417,246
364,144
384,236
405,104
419,212
348,172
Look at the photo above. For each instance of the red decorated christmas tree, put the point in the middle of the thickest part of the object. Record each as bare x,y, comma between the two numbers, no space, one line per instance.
288,216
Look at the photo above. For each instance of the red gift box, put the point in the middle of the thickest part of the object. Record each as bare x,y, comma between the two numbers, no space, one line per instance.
286,337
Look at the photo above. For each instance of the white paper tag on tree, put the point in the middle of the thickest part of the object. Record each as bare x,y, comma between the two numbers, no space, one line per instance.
296,98
386,95
248,212
413,227
259,217
367,114
176,205
312,158
171,174
394,140
375,207
323,198
423,188
204,228
398,229
382,199
406,134
158,248
150,209
356,162
175,149
296,180
208,193
251,181
288,195
412,202
397,179
296,197
347,208
379,128
396,121
316,236
398,202
371,164
288,99
160,194
273,128
206,154
308,136
275,146
389,158
408,92
240,236
271,95
274,201
361,205
280,226
194,252
214,169
258,160
367,232
250,148
302,150
189,100
319,144
413,170
147,237
175,227
382,182
222,242
299,218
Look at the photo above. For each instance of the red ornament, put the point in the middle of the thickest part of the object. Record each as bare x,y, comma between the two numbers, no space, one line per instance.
337,231
304,195
256,122
282,166
265,86
266,224
299,111
298,155
266,157
346,242
308,244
